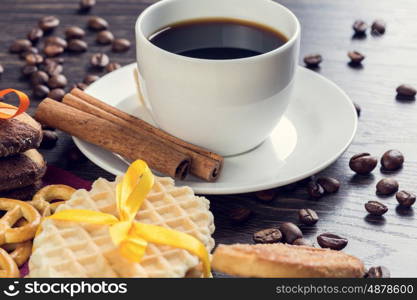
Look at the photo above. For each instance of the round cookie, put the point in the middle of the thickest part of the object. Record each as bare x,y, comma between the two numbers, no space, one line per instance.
19,134
21,170
24,193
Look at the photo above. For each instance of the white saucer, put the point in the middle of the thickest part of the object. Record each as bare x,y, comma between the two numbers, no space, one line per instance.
318,126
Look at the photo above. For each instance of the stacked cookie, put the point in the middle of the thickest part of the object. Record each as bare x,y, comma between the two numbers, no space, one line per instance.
21,165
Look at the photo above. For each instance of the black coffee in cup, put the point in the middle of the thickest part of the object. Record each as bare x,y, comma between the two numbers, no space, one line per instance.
218,38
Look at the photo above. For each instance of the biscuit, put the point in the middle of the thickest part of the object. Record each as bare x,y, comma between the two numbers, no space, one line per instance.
21,170
283,260
19,134
24,193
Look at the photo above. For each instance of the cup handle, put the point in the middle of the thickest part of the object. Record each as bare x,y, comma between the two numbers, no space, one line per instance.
140,95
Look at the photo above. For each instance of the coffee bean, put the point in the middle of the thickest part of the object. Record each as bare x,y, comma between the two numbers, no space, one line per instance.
104,37
360,27
28,70
313,60
267,236
86,5
99,60
378,27
39,77
405,199
74,32
56,94
356,57
34,59
290,232
392,160
406,91
30,50
57,81
1,69
89,79
120,45
53,68
302,242
378,272
331,241
56,60
358,109
363,163
112,66
77,45
308,216
53,50
35,34
315,190
266,195
387,186
56,40
376,208
48,23
19,46
80,85
329,184
49,139
240,214
74,155
40,91
97,23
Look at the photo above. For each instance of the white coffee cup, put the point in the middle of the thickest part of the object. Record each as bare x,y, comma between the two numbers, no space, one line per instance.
227,106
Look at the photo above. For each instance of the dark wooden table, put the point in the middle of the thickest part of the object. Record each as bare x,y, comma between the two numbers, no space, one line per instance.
326,28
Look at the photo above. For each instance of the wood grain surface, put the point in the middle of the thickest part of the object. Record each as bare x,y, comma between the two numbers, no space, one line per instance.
385,123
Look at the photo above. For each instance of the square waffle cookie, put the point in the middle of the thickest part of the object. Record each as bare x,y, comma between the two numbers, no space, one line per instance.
69,249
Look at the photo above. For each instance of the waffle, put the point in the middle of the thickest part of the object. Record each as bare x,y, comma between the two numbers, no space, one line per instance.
68,249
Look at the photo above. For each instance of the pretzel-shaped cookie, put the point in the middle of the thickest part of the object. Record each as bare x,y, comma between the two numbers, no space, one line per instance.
41,200
15,210
20,252
8,267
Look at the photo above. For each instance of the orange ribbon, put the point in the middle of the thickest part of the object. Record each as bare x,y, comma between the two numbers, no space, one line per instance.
23,104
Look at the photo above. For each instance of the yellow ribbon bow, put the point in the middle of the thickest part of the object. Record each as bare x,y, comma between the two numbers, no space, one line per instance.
130,236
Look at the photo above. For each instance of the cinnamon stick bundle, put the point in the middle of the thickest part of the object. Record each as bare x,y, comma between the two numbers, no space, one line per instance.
113,137
205,164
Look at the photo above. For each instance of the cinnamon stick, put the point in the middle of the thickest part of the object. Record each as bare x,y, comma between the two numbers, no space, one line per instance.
205,164
113,137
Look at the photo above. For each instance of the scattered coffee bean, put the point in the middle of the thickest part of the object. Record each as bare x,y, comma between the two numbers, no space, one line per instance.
39,77
30,50
89,79
74,32
49,139
48,23
34,59
358,109
387,186
378,27
378,272
308,216
53,50
331,241
112,66
313,61
363,163
97,23
267,236
77,45
40,91
356,57
290,232
240,214
57,81
329,184
104,37
74,155
360,27
57,60
405,199
35,34
315,190
302,242
99,60
56,40
19,46
28,70
56,94
80,85
53,68
266,195
86,5
406,91
120,45
392,160
376,208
